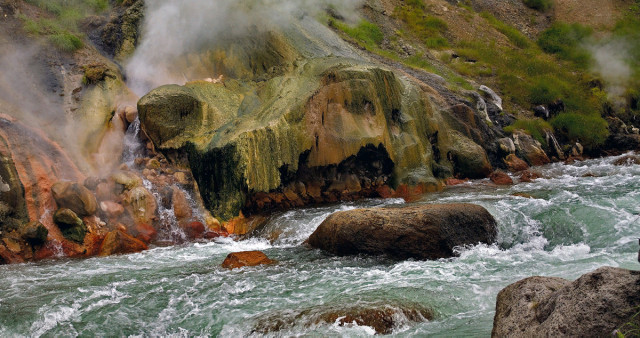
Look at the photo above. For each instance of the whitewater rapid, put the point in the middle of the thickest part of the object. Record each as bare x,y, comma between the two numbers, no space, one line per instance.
577,218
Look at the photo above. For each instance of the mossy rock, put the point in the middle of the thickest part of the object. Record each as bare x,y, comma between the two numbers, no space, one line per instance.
302,95
71,226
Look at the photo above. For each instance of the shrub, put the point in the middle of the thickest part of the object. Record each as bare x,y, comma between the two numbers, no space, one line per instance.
565,40
539,5
537,128
591,130
546,89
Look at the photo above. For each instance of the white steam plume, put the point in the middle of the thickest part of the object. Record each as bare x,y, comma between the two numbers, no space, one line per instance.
174,28
611,63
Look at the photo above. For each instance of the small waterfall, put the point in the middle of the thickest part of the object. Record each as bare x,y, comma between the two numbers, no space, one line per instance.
133,155
133,147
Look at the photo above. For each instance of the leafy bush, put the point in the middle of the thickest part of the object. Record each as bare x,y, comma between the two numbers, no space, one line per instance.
591,130
566,40
537,128
545,90
539,5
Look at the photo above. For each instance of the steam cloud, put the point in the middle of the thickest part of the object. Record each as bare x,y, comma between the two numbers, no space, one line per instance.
174,28
611,63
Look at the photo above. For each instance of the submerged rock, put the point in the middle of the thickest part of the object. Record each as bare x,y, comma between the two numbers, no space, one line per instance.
421,232
245,258
500,178
382,318
594,305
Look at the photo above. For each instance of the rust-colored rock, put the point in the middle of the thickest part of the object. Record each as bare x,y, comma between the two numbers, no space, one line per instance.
243,225
105,191
455,181
111,209
118,242
529,176
245,258
500,178
514,163
9,257
181,206
141,205
144,232
193,230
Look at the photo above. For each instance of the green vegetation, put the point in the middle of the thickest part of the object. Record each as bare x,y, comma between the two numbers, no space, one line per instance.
427,28
566,41
539,5
591,130
61,27
537,128
630,328
510,32
365,32
526,73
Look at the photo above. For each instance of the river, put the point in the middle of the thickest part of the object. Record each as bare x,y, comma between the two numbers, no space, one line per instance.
576,219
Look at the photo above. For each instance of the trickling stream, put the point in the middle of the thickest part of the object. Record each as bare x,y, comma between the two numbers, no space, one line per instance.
580,217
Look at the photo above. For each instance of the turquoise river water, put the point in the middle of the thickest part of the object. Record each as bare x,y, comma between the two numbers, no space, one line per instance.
581,217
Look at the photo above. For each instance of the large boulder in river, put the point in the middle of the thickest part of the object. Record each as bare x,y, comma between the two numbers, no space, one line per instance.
594,305
421,231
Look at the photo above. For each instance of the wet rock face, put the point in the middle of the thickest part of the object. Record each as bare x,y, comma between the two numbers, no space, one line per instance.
594,305
421,232
356,177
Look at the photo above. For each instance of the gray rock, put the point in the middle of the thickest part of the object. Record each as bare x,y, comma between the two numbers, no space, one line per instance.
491,96
594,305
421,231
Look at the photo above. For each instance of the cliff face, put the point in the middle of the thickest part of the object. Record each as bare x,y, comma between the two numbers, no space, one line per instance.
331,125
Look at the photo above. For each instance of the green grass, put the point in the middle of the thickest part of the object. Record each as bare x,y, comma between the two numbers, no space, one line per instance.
589,129
566,41
364,32
510,32
61,27
539,5
429,29
537,128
